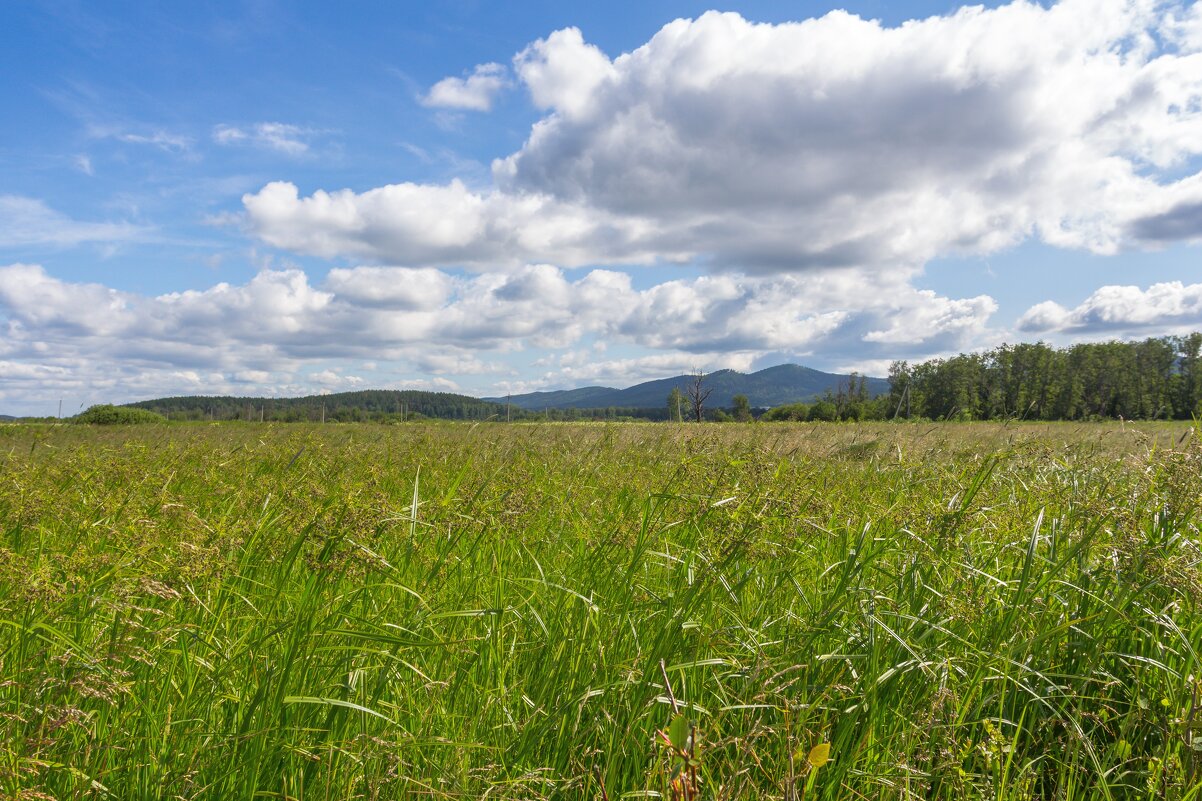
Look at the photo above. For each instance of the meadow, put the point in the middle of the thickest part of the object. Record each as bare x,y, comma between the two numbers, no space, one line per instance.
601,611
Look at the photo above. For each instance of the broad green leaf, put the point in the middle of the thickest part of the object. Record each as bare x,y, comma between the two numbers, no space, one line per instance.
678,732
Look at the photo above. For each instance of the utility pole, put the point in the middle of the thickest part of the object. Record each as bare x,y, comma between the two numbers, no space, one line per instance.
60,408
323,414
507,397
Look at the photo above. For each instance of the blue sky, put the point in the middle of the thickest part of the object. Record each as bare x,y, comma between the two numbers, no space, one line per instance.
270,198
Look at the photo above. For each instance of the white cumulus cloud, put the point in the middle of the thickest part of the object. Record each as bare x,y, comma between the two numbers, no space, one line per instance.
474,92
563,72
442,224
1166,307
826,143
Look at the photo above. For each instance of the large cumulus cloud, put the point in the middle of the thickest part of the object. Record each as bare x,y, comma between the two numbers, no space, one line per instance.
831,142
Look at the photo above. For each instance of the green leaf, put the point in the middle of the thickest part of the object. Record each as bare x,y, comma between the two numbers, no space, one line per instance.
678,732
300,699
819,755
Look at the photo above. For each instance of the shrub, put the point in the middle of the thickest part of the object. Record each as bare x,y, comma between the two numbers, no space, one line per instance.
106,415
824,411
793,412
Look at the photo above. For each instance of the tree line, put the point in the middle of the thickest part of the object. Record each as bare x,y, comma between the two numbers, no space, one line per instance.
1156,379
1159,378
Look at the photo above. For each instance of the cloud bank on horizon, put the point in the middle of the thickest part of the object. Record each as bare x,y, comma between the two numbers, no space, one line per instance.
800,175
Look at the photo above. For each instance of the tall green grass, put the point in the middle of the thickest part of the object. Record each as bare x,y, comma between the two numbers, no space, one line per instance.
220,612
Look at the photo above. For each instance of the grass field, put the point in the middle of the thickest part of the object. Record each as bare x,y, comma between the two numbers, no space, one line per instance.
453,611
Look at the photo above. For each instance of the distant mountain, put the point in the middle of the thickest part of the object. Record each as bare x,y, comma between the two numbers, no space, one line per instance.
6,418
774,386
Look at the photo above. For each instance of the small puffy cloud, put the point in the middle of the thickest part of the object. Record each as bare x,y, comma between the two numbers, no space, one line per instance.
472,93
1161,308
332,378
291,140
1044,317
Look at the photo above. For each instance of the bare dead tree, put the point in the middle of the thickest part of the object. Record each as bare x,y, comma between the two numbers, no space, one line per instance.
697,393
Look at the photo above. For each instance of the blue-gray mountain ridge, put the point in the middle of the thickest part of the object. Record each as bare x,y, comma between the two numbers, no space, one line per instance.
773,386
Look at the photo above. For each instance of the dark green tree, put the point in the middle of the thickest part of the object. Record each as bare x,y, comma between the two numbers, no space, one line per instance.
742,408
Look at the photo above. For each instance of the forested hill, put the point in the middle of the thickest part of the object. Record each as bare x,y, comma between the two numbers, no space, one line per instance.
774,386
369,404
